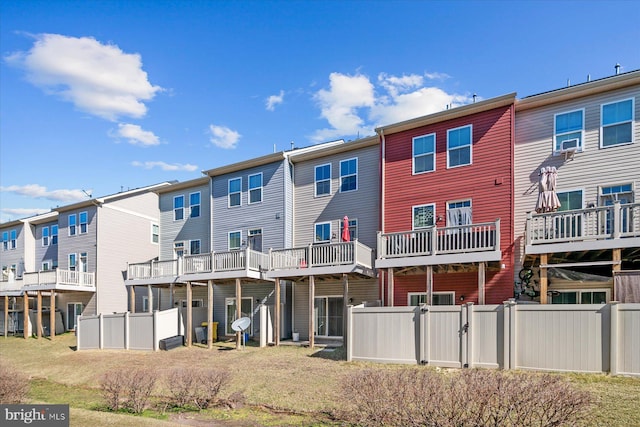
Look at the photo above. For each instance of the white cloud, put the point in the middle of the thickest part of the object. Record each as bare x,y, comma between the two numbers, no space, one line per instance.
97,78
353,105
223,137
136,135
39,192
166,166
274,100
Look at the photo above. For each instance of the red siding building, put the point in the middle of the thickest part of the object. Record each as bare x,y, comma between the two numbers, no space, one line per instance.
447,206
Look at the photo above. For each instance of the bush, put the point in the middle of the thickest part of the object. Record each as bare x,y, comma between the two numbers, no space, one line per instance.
128,390
195,387
14,385
414,397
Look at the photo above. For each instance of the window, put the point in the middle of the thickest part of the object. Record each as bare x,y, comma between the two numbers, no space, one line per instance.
620,193
194,303
178,249
74,309
54,234
13,239
459,213
45,236
178,208
5,240
83,222
438,298
323,232
353,229
255,188
72,262
591,296
323,180
570,200
254,236
568,126
424,153
72,225
194,247
348,175
235,240
82,266
617,123
235,187
194,205
459,146
46,266
155,233
145,302
423,216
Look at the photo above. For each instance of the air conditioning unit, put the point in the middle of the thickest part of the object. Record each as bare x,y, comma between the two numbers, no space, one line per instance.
569,145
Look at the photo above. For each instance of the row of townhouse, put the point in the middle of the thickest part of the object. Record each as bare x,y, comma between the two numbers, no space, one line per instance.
439,209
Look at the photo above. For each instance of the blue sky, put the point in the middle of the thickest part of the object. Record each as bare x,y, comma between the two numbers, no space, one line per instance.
100,96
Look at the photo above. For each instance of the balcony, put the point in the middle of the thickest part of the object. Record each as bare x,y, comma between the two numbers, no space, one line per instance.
322,259
445,245
10,285
59,279
605,227
245,263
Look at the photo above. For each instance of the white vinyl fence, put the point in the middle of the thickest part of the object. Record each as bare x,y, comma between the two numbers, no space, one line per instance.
577,338
128,331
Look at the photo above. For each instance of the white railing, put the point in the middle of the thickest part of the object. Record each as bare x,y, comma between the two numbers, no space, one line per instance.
59,277
200,263
153,269
445,240
11,285
321,255
606,222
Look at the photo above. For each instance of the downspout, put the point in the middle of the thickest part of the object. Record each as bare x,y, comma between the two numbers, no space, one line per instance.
381,170
293,211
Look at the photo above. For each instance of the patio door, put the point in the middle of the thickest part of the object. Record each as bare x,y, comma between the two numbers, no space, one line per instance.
230,316
327,312
74,309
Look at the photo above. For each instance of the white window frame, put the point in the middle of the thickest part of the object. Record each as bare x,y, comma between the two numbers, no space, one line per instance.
413,225
13,239
352,227
46,237
5,240
179,246
155,231
349,175
239,232
191,242
254,232
424,294
316,181
73,228
54,234
46,265
579,292
74,266
556,147
230,193
573,190
256,189
195,205
470,145
84,226
178,209
315,235
632,121
195,302
69,325
83,262
414,156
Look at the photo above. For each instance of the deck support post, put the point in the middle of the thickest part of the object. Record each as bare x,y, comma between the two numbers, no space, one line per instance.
429,284
276,314
52,315
312,291
6,316
209,314
390,286
39,316
238,312
189,315
132,299
150,298
543,278
617,266
482,278
25,321
345,311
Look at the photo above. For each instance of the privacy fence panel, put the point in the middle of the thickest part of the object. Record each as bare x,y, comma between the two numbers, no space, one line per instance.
141,331
555,337
88,333
113,331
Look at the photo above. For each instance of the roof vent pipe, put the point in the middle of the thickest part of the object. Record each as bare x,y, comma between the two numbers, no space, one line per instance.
588,77
568,82
617,67
474,98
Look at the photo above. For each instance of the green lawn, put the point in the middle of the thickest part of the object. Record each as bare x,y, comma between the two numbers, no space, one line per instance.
283,386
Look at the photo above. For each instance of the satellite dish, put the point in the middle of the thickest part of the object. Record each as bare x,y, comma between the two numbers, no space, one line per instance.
241,324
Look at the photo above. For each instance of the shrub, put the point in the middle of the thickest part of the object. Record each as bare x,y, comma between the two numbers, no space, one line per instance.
414,397
14,385
197,387
128,390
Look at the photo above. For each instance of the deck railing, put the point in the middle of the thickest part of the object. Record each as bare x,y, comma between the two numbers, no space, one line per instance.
445,240
201,263
321,255
599,223
59,277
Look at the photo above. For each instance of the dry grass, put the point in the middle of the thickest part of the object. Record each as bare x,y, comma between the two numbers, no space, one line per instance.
303,383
